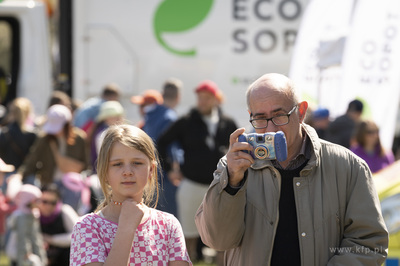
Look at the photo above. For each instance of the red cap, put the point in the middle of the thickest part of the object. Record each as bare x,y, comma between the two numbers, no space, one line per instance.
148,97
208,86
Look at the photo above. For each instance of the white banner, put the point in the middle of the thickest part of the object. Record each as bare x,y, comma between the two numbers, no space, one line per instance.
371,63
318,52
347,50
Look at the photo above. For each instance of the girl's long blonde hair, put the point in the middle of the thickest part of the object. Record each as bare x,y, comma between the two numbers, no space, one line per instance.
132,137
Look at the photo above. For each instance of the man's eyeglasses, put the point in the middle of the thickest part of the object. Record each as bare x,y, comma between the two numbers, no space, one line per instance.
279,120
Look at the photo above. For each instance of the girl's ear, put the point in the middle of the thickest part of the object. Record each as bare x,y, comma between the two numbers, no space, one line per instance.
303,106
153,167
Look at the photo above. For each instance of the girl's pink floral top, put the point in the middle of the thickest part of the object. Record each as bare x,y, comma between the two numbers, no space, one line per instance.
157,241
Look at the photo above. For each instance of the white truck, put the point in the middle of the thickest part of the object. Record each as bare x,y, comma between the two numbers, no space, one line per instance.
139,44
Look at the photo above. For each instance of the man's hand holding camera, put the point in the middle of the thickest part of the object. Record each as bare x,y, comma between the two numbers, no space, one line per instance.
237,160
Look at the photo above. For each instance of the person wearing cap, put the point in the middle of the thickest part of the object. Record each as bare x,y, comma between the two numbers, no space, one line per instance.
320,120
56,97
148,102
25,245
341,130
203,134
111,112
59,149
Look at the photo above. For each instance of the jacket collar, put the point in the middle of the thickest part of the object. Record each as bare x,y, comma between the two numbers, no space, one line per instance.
315,146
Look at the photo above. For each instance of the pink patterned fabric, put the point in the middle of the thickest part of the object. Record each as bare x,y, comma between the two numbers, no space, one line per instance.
157,241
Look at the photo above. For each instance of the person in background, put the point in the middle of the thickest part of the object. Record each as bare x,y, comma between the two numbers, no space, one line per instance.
61,149
56,222
203,135
111,112
18,136
85,115
56,97
319,206
320,121
148,102
125,230
171,93
60,97
25,245
57,154
159,116
368,146
341,130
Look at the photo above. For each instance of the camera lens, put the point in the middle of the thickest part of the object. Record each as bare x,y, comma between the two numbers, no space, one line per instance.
261,153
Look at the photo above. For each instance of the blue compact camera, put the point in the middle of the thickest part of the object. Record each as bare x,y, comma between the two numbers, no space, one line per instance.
267,146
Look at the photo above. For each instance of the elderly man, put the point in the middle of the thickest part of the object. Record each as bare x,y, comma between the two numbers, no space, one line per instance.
318,207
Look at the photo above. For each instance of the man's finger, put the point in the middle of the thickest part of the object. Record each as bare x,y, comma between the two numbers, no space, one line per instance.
236,134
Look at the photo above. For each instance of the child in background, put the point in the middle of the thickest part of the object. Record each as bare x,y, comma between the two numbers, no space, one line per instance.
25,246
124,230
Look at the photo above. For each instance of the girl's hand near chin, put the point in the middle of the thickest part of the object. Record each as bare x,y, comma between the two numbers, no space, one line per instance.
131,214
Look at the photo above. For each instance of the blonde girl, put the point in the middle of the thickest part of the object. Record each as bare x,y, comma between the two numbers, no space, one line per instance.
124,230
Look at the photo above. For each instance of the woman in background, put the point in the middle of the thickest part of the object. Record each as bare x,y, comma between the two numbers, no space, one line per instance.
17,136
56,221
58,151
368,146
61,149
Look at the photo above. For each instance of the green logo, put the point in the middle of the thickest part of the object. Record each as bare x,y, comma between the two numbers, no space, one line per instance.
175,16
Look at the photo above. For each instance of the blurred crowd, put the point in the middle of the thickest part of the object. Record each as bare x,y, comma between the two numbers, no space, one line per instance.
48,163
354,132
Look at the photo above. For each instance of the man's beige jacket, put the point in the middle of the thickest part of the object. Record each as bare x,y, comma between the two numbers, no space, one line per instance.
338,211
